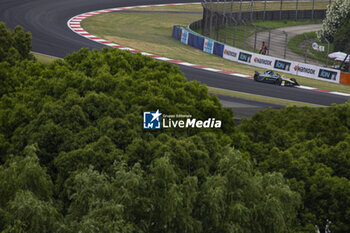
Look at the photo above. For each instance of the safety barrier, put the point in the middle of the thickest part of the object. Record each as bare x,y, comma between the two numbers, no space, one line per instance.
188,37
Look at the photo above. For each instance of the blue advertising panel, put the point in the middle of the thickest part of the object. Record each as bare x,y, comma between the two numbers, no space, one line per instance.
184,36
218,49
177,32
208,46
196,41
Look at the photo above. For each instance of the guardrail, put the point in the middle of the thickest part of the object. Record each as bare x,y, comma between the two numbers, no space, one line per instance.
188,37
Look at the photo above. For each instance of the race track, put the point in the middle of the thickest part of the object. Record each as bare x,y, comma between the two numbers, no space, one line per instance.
47,21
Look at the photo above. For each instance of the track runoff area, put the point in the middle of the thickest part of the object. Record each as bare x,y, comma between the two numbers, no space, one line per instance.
75,25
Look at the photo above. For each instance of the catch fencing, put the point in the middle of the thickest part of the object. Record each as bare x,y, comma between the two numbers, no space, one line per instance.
242,24
208,45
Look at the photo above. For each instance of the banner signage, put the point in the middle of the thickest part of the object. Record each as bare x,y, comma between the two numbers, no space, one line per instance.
184,37
245,57
230,53
317,47
208,46
327,74
282,65
264,61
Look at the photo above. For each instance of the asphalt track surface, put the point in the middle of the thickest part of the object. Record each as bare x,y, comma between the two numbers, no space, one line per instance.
47,21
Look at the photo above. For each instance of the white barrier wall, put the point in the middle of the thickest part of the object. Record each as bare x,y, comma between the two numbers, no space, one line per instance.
278,64
263,61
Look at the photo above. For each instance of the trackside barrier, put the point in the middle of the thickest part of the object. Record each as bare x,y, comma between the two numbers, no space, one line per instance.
345,78
187,36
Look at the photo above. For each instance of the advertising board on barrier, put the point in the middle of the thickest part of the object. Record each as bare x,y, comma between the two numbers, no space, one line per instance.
208,46
263,61
218,49
327,74
316,72
184,37
244,57
282,65
258,60
305,70
230,53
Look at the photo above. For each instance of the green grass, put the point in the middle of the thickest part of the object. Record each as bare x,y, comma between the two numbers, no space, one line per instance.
194,7
259,98
246,6
296,45
44,58
270,6
152,33
250,30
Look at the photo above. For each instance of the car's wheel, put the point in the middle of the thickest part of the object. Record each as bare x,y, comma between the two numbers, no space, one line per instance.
295,81
256,77
278,81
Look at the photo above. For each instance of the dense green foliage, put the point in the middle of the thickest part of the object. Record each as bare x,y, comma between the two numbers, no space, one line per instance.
341,37
14,45
75,157
311,148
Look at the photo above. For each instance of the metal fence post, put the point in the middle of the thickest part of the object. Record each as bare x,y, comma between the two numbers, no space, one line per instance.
305,55
281,10
255,36
224,12
244,34
234,31
313,9
251,10
231,9
240,10
204,22
328,44
217,6
217,19
211,20
296,11
269,42
217,26
264,10
225,28
285,45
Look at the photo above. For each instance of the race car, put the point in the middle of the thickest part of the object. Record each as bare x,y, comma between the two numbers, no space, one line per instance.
270,76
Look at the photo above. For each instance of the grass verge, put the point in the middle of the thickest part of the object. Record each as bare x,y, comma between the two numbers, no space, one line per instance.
259,98
246,6
270,6
44,58
297,45
151,32
250,30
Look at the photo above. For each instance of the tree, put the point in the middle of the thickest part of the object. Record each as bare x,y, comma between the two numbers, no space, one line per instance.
310,148
26,195
14,46
101,172
341,37
336,12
